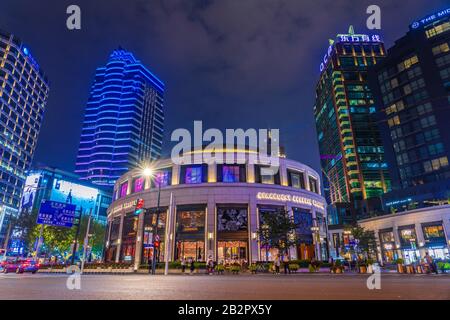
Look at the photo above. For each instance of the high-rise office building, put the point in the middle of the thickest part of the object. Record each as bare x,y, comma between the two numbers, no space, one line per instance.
23,95
123,122
352,154
412,87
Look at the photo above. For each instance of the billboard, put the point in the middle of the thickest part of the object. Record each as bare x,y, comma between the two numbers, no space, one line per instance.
74,193
29,191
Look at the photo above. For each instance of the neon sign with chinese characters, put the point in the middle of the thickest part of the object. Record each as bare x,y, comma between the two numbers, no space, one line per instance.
350,38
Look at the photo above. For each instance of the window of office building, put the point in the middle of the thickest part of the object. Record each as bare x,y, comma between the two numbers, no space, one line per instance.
438,29
266,175
313,185
138,184
231,173
194,174
162,177
442,48
123,189
296,179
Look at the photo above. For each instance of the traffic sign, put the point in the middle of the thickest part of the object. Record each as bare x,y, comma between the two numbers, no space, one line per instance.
57,214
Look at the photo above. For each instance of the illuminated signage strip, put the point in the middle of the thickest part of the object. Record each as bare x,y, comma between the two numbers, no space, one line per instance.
290,198
124,206
348,38
431,18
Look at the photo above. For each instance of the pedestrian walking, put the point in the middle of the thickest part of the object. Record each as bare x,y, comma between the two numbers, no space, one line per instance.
210,265
191,265
430,263
150,264
183,264
277,264
286,264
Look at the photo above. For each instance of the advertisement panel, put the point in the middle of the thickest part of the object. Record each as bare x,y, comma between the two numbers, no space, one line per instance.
79,195
29,192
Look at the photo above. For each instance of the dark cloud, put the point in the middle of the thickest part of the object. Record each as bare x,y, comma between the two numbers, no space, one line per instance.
230,63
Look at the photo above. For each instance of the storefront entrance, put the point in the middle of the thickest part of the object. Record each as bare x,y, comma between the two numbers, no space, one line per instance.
229,252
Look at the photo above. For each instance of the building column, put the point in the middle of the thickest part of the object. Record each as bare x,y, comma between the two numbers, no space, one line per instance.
316,236
176,169
398,248
283,173
251,173
139,241
253,245
212,172
420,239
211,235
446,226
378,244
293,249
119,240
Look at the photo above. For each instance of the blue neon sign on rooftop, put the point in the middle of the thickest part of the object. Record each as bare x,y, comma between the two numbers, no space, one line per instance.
429,19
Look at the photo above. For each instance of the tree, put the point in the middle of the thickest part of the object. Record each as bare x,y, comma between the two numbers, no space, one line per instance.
365,242
277,230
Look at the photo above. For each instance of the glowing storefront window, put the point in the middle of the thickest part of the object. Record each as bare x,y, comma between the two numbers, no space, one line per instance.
193,175
162,178
230,173
138,184
123,189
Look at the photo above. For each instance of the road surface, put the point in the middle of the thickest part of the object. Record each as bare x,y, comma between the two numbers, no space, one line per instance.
227,287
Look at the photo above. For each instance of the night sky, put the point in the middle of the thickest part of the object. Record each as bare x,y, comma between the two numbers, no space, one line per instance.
231,63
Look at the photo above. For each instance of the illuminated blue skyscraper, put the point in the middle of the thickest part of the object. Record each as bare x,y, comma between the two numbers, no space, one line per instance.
123,122
23,95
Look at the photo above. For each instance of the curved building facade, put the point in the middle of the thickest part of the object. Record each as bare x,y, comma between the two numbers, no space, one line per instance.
212,210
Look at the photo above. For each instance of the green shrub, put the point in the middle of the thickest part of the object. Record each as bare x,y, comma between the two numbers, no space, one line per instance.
253,267
311,268
294,267
235,268
220,268
399,261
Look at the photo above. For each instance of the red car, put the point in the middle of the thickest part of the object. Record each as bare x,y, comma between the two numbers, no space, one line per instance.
20,266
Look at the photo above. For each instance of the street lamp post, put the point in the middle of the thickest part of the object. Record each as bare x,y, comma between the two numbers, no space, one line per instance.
86,240
150,173
74,250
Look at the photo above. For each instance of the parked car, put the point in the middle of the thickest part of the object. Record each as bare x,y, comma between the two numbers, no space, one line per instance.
20,266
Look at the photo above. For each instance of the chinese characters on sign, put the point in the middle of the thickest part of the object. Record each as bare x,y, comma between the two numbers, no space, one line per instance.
56,214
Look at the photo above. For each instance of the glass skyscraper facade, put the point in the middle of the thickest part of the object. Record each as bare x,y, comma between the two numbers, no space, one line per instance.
24,91
412,88
123,122
352,154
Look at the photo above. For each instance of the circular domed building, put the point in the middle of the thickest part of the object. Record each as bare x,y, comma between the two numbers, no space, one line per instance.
210,209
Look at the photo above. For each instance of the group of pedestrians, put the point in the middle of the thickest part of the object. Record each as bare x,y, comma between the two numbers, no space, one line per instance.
189,263
281,260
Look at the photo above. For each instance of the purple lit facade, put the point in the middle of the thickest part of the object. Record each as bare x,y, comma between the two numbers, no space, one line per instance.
123,123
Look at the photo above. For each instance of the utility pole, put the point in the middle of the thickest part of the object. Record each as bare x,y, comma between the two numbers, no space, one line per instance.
86,240
38,246
155,250
76,237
